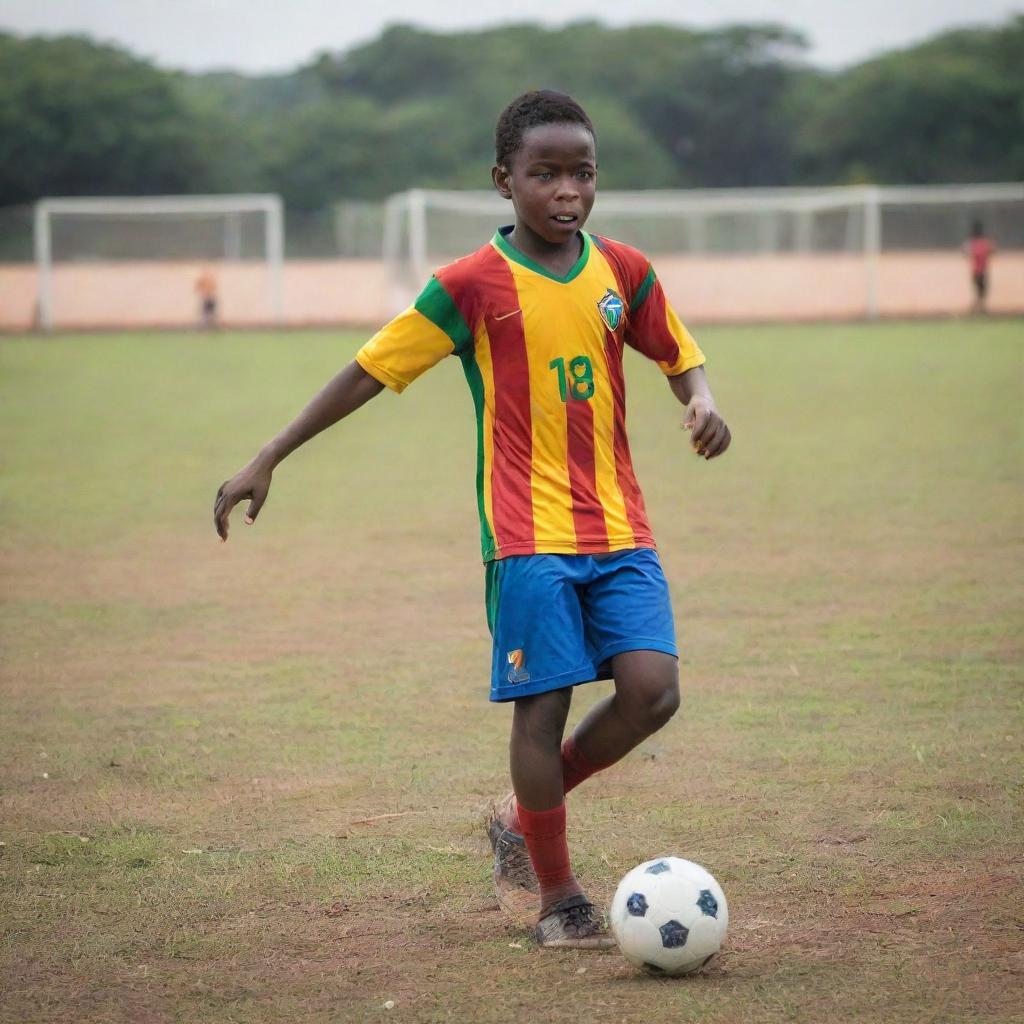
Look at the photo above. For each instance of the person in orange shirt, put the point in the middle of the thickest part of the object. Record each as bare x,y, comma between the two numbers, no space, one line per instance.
206,289
540,317
979,249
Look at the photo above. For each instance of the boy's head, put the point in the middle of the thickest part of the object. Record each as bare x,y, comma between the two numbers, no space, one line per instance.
545,162
977,229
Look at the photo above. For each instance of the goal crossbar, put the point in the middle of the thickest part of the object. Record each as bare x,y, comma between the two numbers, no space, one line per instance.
405,232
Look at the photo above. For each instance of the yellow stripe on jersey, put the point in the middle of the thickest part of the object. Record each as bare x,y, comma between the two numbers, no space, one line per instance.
620,533
544,314
398,353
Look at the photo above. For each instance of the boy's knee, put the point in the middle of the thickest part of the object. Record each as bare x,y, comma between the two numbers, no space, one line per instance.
666,703
649,692
659,703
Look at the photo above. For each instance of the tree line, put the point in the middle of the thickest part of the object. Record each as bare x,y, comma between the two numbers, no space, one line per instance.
673,107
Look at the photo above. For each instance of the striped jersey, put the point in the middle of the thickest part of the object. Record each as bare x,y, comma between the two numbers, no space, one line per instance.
543,358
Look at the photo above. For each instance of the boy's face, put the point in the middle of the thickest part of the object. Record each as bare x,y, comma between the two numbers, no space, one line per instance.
551,180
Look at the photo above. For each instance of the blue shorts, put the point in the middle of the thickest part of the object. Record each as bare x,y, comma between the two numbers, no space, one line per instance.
557,620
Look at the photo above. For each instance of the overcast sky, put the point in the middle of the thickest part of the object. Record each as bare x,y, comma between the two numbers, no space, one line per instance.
278,35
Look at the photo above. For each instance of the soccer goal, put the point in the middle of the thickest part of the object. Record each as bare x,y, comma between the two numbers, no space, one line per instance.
751,254
156,261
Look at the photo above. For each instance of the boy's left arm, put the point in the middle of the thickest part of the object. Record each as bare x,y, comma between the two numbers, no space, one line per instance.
709,434
655,330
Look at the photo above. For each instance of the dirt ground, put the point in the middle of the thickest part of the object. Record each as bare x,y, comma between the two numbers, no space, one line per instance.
247,782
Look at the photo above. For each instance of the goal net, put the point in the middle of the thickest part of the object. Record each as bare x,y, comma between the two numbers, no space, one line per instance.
156,261
749,254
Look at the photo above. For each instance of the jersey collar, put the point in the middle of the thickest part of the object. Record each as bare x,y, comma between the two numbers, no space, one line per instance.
501,242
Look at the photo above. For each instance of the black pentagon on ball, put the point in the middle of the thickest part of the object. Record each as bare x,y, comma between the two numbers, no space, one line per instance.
657,869
637,904
708,904
673,934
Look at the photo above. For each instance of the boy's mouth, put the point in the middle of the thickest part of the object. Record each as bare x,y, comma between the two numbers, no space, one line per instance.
565,218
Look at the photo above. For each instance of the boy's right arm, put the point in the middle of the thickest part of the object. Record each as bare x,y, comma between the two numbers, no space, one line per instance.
342,395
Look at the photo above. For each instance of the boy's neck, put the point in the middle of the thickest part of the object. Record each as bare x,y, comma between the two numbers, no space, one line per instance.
559,258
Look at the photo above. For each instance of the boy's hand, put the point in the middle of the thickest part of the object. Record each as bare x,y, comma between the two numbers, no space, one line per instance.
709,435
253,483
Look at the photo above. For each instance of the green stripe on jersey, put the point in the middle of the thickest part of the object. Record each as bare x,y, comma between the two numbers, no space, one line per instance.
437,306
642,292
476,388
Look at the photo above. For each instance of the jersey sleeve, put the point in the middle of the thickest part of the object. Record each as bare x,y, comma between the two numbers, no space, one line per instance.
654,329
415,340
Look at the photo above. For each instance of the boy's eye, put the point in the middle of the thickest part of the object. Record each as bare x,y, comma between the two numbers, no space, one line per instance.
585,175
544,175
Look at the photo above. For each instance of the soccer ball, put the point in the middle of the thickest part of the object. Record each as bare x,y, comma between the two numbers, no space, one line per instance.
669,916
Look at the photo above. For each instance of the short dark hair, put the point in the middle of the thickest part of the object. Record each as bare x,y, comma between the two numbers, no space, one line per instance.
540,106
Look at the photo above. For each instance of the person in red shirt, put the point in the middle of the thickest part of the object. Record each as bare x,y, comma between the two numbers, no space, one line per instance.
979,248
206,289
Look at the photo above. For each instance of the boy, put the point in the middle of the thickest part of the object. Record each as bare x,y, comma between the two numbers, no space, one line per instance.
979,249
575,591
206,289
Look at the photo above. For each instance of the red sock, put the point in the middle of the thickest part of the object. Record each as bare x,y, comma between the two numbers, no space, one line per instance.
575,766
575,769
544,832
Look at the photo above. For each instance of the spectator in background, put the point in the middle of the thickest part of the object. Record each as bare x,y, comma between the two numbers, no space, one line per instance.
979,248
206,289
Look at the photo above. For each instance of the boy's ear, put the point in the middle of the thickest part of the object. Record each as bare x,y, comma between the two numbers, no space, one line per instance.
499,175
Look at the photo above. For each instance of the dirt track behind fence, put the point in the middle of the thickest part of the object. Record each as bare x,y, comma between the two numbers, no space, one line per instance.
704,289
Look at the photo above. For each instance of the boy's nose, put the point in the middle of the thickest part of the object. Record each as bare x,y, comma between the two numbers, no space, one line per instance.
567,189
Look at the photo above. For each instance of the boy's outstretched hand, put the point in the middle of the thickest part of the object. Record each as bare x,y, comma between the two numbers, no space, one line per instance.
253,483
709,434
345,392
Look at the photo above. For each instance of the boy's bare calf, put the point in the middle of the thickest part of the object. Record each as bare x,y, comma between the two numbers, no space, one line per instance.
535,749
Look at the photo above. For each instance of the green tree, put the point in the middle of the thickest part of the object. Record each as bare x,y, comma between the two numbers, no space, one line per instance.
77,118
951,109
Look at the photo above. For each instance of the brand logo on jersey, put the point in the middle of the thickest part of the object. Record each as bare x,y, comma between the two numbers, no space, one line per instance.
611,308
517,667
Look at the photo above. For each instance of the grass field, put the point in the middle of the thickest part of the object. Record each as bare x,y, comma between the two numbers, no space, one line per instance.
246,782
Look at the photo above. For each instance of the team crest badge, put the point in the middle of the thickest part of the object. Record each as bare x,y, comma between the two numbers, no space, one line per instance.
611,308
517,667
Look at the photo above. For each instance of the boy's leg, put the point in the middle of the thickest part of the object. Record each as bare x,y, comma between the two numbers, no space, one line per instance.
646,696
630,623
536,765
627,605
566,917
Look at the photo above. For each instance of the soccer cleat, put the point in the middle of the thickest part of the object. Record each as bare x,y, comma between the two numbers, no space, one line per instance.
573,923
515,882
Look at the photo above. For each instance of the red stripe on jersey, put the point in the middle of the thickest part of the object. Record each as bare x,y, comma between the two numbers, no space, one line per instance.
512,471
636,514
468,280
648,330
587,510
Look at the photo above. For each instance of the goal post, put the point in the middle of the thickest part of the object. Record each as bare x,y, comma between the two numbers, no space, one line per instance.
800,253
154,229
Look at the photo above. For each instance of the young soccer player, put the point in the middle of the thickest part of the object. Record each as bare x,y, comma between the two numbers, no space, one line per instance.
206,289
539,318
979,248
